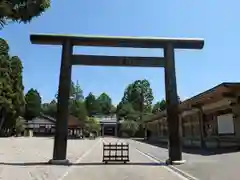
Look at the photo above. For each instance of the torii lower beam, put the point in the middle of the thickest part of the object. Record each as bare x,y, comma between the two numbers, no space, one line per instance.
129,61
68,41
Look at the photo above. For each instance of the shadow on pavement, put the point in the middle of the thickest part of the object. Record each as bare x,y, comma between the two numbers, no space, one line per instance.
81,164
193,150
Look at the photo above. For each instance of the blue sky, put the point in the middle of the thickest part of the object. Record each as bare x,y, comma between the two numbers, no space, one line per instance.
197,70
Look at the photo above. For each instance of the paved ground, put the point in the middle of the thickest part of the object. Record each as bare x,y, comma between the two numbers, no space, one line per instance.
25,158
139,168
203,167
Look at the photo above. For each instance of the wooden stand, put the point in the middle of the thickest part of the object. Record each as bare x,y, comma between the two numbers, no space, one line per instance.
115,153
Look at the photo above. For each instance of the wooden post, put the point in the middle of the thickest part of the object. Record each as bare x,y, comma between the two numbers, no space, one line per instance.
103,129
175,151
201,118
61,134
116,130
201,126
146,132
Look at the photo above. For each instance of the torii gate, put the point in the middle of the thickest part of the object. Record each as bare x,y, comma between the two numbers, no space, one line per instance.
68,59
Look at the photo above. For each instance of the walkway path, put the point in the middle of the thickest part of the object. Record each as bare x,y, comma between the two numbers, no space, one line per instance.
140,167
25,158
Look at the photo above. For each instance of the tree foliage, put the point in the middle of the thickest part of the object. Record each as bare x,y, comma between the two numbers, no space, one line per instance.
113,109
91,104
76,93
129,127
17,85
159,106
50,109
140,95
33,104
105,104
92,125
6,91
76,104
19,126
77,108
136,101
21,10
126,111
11,87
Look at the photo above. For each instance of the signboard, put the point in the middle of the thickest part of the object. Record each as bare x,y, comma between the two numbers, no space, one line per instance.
225,124
93,60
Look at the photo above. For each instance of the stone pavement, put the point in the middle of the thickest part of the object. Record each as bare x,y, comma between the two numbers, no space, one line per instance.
203,167
140,167
25,159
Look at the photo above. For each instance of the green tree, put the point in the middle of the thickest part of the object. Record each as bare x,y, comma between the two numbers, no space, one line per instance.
105,104
126,111
78,109
6,92
50,109
18,99
159,106
33,104
92,125
140,95
91,104
11,87
76,104
21,10
129,127
113,109
136,102
19,126
76,92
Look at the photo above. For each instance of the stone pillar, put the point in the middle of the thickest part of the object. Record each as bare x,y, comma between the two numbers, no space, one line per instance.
174,143
61,133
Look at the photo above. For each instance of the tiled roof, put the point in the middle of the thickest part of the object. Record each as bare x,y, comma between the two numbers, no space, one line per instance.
72,121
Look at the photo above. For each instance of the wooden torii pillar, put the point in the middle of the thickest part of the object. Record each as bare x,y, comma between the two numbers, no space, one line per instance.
68,59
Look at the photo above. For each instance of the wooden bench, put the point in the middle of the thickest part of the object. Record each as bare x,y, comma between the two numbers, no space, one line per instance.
115,152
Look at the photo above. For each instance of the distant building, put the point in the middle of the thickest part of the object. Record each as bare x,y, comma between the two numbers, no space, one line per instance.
45,126
109,124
